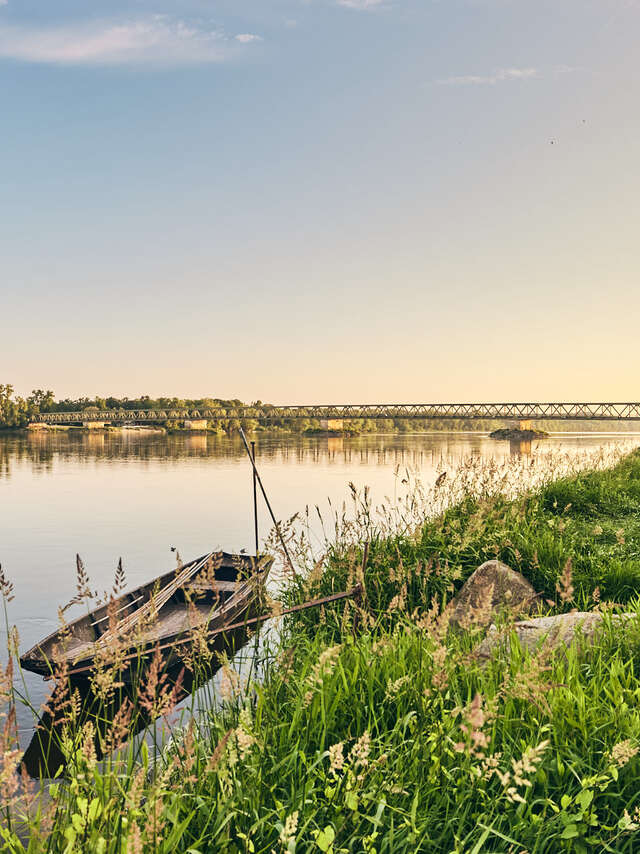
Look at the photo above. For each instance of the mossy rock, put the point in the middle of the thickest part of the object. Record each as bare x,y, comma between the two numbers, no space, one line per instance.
509,591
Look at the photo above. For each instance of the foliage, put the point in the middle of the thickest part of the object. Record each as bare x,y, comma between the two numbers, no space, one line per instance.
17,411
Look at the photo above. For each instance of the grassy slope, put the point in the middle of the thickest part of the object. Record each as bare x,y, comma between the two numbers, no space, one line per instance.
424,781
592,518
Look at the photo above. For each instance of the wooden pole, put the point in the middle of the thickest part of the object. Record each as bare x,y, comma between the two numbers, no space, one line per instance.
354,593
262,489
255,494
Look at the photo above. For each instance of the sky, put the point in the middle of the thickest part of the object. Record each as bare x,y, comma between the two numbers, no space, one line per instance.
321,201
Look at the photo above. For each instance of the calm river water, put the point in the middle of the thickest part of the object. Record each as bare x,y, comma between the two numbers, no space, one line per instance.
135,495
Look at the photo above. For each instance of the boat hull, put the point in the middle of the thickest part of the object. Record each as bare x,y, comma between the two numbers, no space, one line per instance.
172,654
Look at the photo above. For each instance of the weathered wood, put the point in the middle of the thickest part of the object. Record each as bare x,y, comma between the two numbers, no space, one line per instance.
238,580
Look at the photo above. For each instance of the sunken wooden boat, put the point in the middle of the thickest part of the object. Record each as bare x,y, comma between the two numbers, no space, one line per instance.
213,595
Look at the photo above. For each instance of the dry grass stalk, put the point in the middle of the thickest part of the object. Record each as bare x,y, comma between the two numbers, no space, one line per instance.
564,585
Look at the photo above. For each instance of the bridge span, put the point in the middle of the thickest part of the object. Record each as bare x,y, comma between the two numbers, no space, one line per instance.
327,413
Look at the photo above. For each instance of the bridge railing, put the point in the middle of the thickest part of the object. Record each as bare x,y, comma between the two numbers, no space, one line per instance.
426,411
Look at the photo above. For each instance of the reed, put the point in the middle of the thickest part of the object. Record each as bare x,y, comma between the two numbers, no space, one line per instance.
377,730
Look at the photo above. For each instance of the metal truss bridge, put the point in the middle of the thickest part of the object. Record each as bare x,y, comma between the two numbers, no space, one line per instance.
347,412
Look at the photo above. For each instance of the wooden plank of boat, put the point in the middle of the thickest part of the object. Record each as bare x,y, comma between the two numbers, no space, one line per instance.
212,590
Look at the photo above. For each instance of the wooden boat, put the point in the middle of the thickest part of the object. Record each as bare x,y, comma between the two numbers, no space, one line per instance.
208,593
215,595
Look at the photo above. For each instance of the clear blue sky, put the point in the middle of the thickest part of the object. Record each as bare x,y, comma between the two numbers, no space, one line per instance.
316,200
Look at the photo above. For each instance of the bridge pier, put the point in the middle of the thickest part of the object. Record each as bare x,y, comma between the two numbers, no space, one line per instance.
94,425
196,424
332,424
525,424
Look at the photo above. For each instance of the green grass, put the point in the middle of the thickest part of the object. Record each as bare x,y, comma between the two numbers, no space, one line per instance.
432,743
592,518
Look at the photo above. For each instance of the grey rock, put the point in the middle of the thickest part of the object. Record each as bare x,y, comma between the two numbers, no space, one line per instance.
558,632
510,591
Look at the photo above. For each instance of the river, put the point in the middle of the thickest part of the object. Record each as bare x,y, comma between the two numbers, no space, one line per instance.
135,495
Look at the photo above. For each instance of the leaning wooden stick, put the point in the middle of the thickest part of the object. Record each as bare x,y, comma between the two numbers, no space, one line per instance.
354,593
273,518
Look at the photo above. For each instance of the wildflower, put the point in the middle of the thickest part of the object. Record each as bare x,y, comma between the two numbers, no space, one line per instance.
6,683
156,697
135,793
336,756
244,736
275,607
435,622
89,744
399,600
620,536
564,586
480,611
393,688
531,758
381,645
9,754
488,767
359,754
597,530
6,586
623,752
285,663
134,840
521,770
314,576
120,579
513,795
289,830
185,756
217,755
473,720
439,676
321,669
628,823
155,823
229,683
530,684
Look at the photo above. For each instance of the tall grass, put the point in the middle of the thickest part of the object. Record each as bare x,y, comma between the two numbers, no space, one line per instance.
375,728
534,514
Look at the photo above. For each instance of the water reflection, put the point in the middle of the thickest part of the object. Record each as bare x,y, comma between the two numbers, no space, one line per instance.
519,447
40,448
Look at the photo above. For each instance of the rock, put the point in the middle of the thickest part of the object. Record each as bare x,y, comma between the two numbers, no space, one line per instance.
515,433
557,631
510,591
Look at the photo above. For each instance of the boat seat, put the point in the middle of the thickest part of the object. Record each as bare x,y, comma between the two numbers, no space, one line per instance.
205,587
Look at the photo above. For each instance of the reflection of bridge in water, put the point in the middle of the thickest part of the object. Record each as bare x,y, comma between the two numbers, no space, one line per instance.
332,416
41,448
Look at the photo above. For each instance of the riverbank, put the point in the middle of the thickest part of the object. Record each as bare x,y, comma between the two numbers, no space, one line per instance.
479,428
389,735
